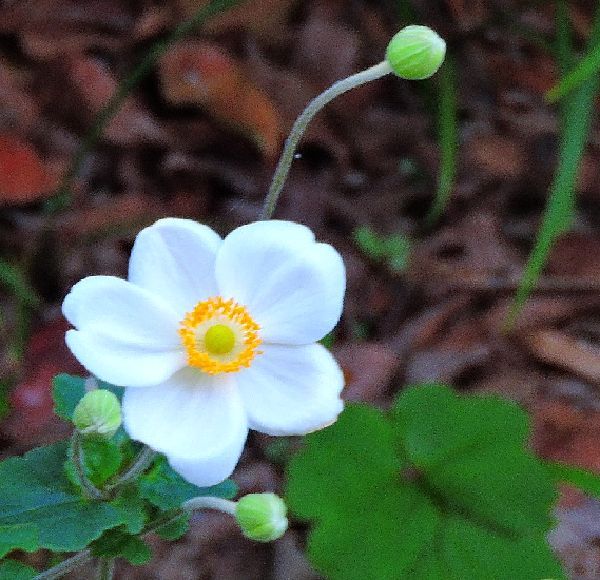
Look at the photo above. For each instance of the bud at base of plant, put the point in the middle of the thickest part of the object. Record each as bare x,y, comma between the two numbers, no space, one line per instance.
261,516
98,413
416,52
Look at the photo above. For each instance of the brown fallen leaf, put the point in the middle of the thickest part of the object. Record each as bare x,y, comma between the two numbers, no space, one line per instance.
200,73
23,175
567,352
368,369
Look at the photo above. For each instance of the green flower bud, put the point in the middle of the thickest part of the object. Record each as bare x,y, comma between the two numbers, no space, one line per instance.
416,52
261,516
98,413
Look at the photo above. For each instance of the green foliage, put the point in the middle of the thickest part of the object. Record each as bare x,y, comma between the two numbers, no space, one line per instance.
68,390
166,490
440,487
13,570
576,476
36,493
174,529
577,113
117,543
102,460
393,250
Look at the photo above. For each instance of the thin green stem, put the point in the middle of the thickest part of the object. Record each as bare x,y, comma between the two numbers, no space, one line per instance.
66,566
106,568
78,460
142,462
210,503
62,199
287,156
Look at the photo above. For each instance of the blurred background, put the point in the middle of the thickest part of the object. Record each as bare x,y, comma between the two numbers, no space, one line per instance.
434,192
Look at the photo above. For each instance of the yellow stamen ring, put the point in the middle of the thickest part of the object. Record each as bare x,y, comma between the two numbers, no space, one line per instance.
219,336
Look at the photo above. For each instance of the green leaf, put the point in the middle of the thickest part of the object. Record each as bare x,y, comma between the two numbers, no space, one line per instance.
102,459
459,444
175,529
13,570
393,250
401,495
165,489
118,544
132,509
68,390
35,492
26,536
582,478
472,551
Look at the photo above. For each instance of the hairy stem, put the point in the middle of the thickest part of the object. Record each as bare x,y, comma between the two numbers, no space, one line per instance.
66,566
287,156
78,460
143,460
106,568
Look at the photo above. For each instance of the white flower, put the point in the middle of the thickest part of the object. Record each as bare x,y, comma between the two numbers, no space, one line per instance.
212,337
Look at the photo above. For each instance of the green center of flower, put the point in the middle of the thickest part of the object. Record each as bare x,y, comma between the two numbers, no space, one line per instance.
219,339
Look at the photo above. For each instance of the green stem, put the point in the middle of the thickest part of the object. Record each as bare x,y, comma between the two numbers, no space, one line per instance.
106,568
63,196
142,462
209,503
66,566
287,156
78,460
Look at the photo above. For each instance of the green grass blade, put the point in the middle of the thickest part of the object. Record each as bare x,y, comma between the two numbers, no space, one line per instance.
14,281
581,478
586,68
62,198
447,139
576,115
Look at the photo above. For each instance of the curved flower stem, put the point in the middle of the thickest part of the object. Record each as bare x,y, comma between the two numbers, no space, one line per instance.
66,566
287,156
209,503
143,460
88,487
106,568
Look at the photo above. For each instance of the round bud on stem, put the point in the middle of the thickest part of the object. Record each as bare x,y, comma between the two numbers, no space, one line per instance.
416,52
261,516
98,413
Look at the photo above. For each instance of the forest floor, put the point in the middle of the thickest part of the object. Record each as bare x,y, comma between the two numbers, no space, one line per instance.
199,138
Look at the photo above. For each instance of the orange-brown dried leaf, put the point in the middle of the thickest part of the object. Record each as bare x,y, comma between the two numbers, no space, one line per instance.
23,175
198,73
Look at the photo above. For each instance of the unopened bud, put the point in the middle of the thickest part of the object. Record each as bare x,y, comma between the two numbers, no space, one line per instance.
416,52
98,413
261,516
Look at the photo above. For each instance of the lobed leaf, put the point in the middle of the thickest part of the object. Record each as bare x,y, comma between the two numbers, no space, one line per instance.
441,487
35,492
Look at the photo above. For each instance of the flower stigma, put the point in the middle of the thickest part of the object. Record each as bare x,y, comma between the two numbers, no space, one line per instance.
219,336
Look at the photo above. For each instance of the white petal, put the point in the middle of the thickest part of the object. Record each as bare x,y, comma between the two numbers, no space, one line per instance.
175,259
124,335
197,420
292,287
292,390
